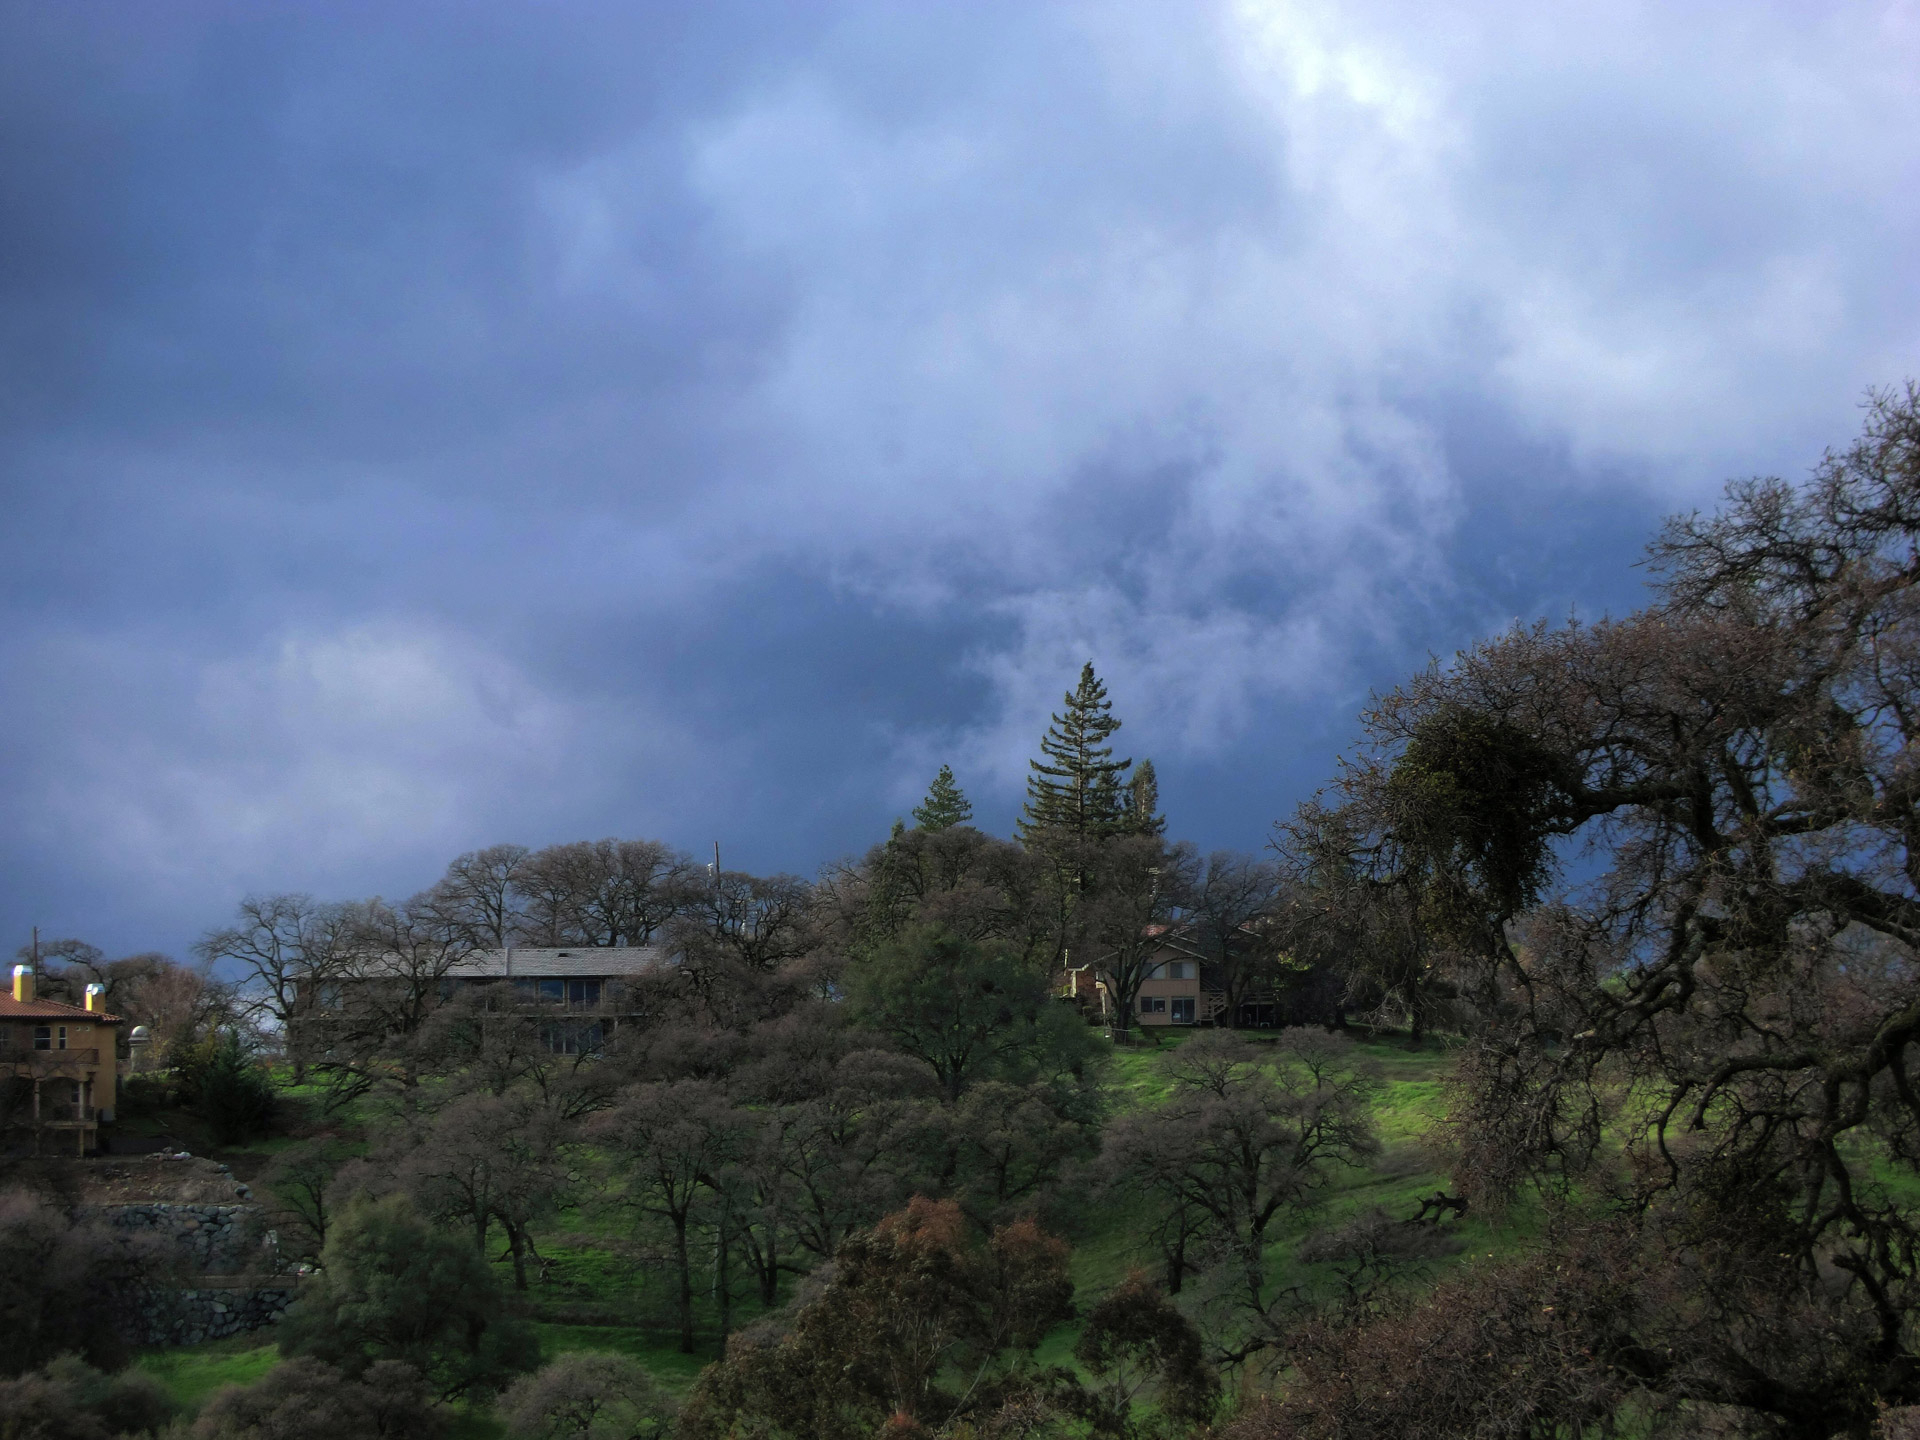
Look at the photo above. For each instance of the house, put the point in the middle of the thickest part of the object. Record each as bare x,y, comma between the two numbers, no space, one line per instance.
583,989
58,1063
1180,988
583,992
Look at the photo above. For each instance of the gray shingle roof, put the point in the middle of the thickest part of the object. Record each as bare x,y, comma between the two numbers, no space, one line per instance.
576,962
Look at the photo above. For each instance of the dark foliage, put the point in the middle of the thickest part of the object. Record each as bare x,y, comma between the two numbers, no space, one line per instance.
1249,1135
1735,991
917,1321
219,1079
393,1288
305,1399
1143,1352
588,1397
46,1262
966,1009
70,1400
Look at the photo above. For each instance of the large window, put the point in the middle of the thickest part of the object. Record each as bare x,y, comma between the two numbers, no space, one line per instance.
583,994
573,1037
1174,970
1183,1009
1153,1004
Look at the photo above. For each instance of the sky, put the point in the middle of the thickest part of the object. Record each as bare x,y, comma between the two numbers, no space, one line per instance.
428,425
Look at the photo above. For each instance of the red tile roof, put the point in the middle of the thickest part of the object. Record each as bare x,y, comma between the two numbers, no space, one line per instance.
12,1009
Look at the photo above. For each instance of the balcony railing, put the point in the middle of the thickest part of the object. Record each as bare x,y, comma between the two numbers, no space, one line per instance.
48,1062
66,1115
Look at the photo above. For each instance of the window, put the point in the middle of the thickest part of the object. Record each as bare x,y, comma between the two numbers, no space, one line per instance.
1153,1004
330,996
60,1037
43,1037
553,992
1183,1009
572,1037
583,994
1174,970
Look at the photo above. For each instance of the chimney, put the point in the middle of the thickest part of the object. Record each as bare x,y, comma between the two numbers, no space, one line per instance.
96,997
23,982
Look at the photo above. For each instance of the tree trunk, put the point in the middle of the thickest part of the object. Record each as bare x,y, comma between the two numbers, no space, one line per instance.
516,1242
770,1271
686,1282
723,1281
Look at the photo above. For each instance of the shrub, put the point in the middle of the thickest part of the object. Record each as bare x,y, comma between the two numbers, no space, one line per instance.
45,1262
70,1400
587,1397
912,1303
391,1287
307,1400
220,1082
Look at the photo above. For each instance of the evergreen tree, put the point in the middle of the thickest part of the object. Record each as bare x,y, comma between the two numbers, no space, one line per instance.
1077,789
945,805
1143,802
889,896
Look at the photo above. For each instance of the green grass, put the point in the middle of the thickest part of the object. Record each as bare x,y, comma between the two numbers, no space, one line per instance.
661,1355
192,1373
598,1297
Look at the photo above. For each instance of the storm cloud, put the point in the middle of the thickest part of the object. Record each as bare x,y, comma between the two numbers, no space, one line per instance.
438,424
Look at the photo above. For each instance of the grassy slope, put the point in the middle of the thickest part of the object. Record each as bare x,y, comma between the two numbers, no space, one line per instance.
598,1298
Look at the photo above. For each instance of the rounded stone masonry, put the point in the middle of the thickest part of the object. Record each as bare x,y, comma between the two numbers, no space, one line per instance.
228,1277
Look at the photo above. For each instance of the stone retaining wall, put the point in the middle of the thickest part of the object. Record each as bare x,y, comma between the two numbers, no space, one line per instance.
209,1238
187,1317
228,1277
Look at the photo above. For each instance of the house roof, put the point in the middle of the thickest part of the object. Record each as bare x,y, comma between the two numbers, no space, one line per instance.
12,1009
574,962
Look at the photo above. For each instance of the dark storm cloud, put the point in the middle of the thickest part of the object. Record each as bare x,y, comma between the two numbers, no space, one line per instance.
438,424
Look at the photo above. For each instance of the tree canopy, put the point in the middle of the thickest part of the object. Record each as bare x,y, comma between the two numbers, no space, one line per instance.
945,805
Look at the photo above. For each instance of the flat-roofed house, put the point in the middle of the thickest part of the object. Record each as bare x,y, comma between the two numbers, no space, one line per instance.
586,989
583,992
58,1062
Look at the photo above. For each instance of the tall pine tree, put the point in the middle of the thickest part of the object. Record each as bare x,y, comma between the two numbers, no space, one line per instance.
1143,802
945,805
1077,790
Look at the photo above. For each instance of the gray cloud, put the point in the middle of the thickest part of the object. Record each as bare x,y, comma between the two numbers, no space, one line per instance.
436,426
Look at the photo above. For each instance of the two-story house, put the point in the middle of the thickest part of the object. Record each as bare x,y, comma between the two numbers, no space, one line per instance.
1180,988
581,992
58,1063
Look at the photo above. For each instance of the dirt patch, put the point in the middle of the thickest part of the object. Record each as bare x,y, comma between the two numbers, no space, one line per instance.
150,1179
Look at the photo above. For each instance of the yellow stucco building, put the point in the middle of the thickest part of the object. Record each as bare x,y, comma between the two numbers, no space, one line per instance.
58,1063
